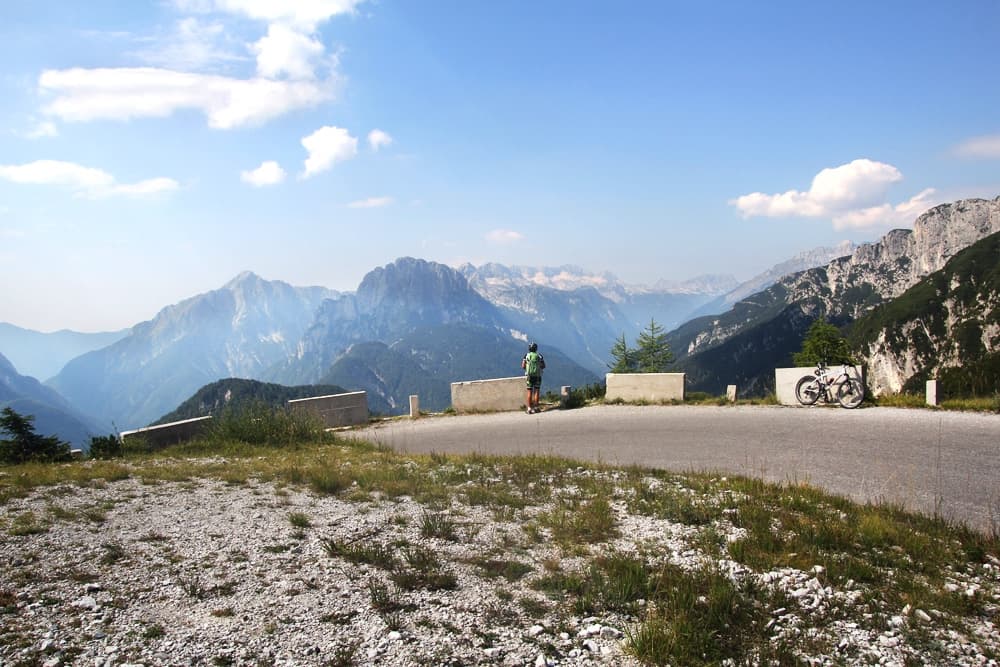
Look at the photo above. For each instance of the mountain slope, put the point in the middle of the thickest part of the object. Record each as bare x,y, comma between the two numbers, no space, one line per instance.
946,325
42,355
53,414
842,291
238,330
213,398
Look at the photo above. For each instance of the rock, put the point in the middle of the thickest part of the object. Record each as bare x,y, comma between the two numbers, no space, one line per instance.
591,646
535,630
540,660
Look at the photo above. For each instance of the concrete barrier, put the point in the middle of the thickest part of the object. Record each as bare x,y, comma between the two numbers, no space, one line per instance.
164,435
336,409
785,380
498,395
652,387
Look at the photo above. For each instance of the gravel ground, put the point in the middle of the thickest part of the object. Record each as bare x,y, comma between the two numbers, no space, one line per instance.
208,573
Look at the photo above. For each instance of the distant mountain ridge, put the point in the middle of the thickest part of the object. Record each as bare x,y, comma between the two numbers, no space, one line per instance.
239,330
43,355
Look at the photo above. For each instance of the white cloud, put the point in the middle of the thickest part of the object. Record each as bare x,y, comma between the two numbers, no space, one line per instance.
852,195
504,236
377,139
326,146
145,92
371,202
84,181
268,173
886,215
980,147
287,52
306,14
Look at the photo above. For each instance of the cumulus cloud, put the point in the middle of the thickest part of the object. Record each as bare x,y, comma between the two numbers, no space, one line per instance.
504,236
85,182
377,139
327,146
146,92
887,215
371,202
987,147
268,173
852,195
285,52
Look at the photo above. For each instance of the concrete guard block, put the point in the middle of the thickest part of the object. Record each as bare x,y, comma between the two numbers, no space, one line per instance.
164,435
335,410
496,395
652,387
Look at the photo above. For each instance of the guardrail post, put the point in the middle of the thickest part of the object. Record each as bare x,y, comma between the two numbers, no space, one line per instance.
932,392
414,406
731,393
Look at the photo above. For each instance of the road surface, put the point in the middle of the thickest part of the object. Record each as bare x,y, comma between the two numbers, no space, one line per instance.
946,463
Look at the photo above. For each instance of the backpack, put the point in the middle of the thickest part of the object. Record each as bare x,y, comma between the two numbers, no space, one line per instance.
533,363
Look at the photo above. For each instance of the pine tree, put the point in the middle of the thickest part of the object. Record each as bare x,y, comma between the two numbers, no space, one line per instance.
823,343
26,445
623,358
653,353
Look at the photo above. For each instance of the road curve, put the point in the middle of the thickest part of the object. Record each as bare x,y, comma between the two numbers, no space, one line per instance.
930,461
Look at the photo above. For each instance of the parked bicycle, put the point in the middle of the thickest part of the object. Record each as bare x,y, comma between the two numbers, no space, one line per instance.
846,387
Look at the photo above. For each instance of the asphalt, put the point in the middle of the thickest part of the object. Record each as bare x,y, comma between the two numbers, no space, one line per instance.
939,463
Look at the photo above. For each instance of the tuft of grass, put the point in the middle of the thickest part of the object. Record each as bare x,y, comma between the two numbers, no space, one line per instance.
440,525
493,568
361,553
27,523
299,520
573,521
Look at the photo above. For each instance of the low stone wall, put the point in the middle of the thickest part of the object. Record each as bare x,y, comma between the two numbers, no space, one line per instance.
652,387
498,395
164,435
785,380
336,409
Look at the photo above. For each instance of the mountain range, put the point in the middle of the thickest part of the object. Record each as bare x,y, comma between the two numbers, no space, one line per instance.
415,326
745,344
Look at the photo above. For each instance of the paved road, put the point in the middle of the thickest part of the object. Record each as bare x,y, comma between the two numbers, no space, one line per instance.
944,462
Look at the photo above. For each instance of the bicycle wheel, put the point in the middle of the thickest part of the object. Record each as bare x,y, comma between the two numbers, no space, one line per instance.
807,390
850,393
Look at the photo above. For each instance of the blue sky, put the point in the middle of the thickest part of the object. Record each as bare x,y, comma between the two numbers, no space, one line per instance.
150,151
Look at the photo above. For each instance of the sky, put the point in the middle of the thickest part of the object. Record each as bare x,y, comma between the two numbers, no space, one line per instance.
151,150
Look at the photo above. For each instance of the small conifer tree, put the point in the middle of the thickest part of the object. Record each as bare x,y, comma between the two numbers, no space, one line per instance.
654,353
26,445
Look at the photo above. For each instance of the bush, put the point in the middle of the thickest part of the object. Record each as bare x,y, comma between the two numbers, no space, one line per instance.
26,445
261,424
106,447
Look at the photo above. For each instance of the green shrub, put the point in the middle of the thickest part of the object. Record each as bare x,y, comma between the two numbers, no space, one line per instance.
106,447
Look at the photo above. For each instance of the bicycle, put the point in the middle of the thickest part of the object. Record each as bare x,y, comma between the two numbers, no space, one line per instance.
849,389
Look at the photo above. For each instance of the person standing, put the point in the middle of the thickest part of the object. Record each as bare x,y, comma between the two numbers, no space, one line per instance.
533,365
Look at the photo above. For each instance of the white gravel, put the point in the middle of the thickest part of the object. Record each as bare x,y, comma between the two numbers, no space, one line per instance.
205,573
